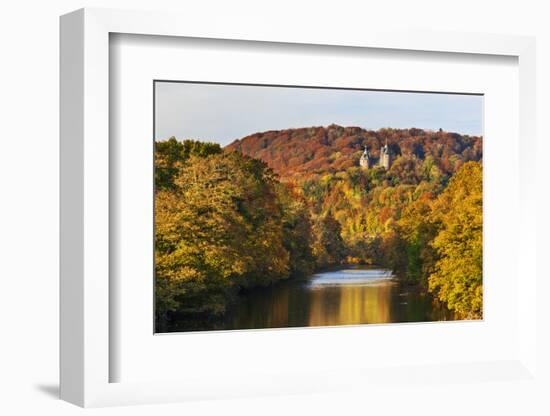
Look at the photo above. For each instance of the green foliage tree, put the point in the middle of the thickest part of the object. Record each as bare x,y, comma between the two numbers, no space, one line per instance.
171,153
417,231
329,248
297,231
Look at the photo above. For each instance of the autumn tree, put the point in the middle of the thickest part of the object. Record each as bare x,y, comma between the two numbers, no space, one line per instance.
220,228
458,214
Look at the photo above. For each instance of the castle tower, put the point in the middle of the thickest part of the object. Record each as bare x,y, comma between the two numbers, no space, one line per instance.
385,156
365,161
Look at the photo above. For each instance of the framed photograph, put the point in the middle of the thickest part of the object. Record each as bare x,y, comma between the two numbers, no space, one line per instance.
274,209
237,209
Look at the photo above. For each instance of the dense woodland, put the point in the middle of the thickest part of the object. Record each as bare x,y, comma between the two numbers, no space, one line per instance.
283,204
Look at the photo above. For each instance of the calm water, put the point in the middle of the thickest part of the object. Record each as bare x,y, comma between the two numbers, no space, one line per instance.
349,296
343,297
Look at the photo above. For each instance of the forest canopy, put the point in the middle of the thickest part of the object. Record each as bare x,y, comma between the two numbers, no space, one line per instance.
283,204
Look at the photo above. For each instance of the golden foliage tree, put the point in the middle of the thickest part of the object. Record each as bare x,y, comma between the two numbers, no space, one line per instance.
457,279
220,227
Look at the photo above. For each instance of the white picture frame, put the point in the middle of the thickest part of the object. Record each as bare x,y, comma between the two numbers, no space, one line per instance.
85,220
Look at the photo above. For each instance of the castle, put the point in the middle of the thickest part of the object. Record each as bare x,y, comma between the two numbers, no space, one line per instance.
385,157
365,161
385,160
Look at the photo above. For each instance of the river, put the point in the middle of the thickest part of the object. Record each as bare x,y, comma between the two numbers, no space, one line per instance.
348,296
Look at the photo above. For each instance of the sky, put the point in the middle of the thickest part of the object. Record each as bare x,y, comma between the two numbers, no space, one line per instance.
222,113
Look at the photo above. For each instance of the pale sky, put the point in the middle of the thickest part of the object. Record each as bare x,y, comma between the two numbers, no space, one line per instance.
223,113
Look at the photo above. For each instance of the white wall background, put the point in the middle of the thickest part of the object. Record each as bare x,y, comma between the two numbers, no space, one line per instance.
29,115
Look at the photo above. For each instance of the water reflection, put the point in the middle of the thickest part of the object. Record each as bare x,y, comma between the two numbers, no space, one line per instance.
342,297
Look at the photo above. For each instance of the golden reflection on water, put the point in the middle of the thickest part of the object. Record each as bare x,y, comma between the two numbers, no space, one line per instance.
341,297
333,298
278,316
351,305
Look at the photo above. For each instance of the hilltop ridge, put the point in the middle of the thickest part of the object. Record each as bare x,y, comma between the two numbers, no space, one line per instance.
318,150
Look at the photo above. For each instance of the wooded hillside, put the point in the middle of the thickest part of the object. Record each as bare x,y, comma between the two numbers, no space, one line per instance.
318,150
282,204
